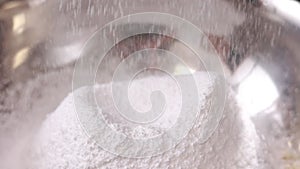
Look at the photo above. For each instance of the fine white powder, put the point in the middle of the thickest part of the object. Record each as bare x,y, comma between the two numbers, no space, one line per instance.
23,107
62,143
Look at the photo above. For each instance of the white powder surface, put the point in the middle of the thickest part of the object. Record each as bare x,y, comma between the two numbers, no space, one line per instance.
139,94
62,143
23,107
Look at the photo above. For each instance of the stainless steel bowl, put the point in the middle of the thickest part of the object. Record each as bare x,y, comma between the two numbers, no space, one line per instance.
258,42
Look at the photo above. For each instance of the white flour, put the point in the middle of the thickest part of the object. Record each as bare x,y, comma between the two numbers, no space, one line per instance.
22,110
61,143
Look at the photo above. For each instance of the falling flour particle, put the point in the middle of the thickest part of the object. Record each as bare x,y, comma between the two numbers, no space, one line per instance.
62,143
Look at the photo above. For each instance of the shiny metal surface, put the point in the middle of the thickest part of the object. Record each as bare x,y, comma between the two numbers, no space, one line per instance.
258,43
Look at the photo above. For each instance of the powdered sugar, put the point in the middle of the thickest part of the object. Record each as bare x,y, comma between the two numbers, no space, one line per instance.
61,143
